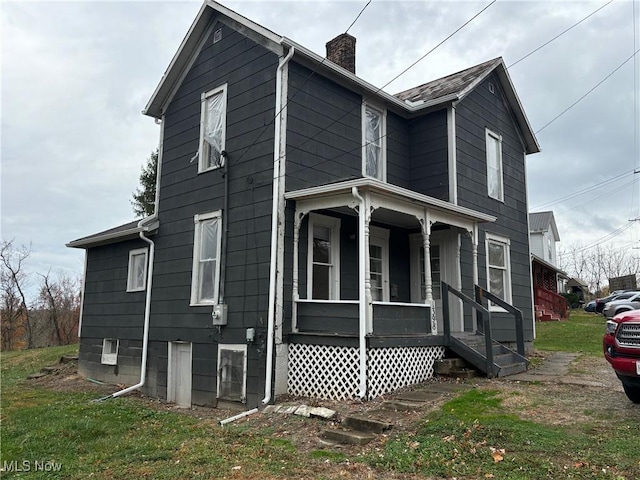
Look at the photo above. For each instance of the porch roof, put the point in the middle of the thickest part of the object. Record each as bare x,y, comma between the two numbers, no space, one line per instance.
392,192
562,273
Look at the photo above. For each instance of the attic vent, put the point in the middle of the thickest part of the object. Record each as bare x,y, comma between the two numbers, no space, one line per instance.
491,88
217,35
232,372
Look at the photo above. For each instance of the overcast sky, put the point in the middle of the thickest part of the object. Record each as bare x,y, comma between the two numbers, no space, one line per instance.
76,75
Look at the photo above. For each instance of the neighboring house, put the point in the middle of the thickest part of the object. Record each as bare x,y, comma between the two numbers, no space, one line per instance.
578,287
547,277
304,222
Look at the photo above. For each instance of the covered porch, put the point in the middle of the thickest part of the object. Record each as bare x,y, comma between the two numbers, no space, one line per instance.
368,260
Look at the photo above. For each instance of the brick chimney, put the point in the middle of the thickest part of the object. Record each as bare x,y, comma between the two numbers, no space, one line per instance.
342,51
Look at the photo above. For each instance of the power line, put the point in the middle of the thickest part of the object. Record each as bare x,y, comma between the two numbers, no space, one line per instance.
361,11
605,194
313,72
299,147
591,90
559,35
584,190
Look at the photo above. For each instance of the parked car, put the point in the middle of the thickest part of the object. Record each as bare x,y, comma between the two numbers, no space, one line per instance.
617,295
621,344
590,307
622,303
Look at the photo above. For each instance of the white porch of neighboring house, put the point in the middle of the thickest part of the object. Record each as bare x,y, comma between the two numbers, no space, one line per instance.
380,339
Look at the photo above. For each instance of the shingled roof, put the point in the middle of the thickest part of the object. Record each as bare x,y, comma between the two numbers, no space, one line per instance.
455,84
116,234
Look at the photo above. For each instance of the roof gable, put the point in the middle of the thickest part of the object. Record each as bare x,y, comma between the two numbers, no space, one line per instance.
458,85
541,222
437,93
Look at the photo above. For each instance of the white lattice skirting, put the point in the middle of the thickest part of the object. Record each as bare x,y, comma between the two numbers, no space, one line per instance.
331,372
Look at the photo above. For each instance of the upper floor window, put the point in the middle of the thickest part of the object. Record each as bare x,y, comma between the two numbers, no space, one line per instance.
323,268
213,120
498,267
137,274
374,145
206,259
494,166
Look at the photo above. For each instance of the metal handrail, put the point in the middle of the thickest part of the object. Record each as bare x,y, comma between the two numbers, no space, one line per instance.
484,316
481,293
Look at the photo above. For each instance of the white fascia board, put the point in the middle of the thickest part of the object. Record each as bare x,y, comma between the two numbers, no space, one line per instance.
377,186
112,237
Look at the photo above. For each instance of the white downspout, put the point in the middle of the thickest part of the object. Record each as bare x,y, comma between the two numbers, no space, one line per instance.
362,248
147,305
274,228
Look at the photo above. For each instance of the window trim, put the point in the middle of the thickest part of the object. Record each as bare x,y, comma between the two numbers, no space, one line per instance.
109,358
333,223
130,270
197,219
201,146
383,140
489,134
493,238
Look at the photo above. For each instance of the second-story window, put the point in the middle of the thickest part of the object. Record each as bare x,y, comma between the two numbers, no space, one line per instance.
374,142
213,120
495,186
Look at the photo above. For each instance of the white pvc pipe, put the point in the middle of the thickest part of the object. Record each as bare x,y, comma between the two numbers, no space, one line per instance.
362,248
147,305
237,417
274,229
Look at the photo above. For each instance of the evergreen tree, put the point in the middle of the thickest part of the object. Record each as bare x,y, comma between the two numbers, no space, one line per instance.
145,195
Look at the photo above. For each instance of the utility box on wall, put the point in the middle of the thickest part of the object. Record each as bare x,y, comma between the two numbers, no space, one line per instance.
219,315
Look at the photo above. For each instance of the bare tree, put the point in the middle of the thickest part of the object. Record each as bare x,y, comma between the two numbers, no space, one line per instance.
16,324
59,308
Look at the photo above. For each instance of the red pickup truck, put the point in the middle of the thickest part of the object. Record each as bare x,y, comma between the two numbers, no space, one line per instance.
621,345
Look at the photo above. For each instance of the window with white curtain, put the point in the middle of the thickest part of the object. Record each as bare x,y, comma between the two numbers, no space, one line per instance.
374,142
498,267
213,121
495,185
137,274
206,259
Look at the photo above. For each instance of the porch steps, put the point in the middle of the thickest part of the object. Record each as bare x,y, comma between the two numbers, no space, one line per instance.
360,429
543,315
472,348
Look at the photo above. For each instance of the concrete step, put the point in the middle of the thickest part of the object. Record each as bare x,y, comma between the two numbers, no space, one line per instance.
365,424
401,406
465,373
348,437
419,396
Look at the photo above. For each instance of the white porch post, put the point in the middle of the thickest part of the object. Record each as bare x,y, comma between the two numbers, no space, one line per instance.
296,242
474,250
428,281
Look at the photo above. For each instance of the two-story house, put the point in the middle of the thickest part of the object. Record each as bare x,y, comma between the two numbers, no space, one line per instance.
547,277
304,222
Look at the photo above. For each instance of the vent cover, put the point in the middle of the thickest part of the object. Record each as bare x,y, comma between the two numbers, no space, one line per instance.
217,35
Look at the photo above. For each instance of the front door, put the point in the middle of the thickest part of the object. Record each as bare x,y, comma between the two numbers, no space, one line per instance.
179,374
443,268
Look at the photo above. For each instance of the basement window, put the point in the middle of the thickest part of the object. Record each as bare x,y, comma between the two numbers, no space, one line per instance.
110,351
232,372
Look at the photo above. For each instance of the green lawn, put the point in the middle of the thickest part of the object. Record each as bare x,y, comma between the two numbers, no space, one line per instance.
582,333
479,434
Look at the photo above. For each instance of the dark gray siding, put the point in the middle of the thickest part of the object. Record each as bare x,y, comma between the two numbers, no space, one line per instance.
398,151
249,71
109,311
429,171
479,110
324,132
